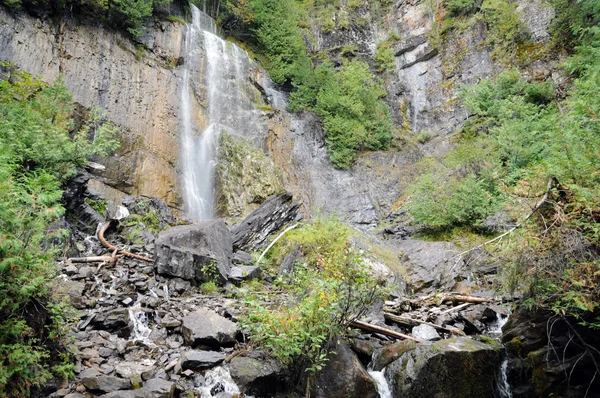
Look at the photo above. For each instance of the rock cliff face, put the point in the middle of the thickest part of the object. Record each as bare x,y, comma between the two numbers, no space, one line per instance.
136,87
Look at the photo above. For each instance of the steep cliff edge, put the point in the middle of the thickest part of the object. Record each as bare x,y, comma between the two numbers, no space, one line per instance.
135,85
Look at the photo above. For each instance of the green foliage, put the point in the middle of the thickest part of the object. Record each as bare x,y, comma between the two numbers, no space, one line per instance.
209,288
461,7
354,118
505,29
37,154
329,287
384,57
350,100
131,15
440,204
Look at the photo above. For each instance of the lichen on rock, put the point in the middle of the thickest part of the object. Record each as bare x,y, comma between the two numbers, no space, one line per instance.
246,177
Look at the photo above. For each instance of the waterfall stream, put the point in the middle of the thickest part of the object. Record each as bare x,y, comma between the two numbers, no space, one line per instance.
383,387
216,95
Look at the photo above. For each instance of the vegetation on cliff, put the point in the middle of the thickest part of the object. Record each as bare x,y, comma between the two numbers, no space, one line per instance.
522,139
38,153
131,15
349,97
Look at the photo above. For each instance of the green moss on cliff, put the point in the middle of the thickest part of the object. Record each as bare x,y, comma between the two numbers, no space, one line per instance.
245,176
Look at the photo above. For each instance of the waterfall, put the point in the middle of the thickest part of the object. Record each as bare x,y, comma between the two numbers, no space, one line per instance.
216,76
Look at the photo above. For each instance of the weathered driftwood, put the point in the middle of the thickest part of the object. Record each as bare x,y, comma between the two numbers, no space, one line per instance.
432,301
405,321
378,329
110,246
458,307
93,259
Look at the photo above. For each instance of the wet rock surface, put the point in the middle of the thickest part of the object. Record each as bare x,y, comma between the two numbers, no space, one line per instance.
454,367
344,376
198,252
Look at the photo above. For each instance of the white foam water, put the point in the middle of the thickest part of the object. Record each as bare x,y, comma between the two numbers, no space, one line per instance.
219,384
382,385
139,319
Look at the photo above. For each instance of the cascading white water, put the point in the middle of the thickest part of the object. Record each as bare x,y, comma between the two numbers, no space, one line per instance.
503,386
222,69
140,330
218,383
382,385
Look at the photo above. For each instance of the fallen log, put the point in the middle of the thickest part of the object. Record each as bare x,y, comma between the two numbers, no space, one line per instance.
378,329
465,299
93,259
404,321
110,246
458,307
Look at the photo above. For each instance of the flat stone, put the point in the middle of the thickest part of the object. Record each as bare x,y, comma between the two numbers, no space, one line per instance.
198,360
160,388
129,369
206,327
105,383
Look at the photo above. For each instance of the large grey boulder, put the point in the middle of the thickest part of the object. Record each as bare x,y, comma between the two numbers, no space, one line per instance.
425,333
256,374
96,381
456,367
207,328
344,376
252,233
200,251
160,388
431,265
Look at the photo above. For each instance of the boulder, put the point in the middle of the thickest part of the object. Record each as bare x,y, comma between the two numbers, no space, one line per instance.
200,251
431,265
114,320
364,349
199,360
256,374
425,333
143,369
240,257
244,273
252,233
456,367
382,357
344,376
207,328
160,388
139,393
105,383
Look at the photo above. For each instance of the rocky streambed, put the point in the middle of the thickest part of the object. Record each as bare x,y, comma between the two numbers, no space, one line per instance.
145,329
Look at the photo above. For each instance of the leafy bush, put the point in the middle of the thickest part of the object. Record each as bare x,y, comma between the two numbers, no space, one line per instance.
130,15
329,287
37,154
461,7
354,118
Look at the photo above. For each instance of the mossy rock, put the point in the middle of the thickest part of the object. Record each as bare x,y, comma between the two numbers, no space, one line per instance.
458,367
246,177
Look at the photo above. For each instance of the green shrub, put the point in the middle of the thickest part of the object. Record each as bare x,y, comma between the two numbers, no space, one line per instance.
37,155
329,287
461,7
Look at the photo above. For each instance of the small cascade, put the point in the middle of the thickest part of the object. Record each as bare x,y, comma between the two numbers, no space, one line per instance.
139,319
218,383
495,329
221,70
503,386
382,385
